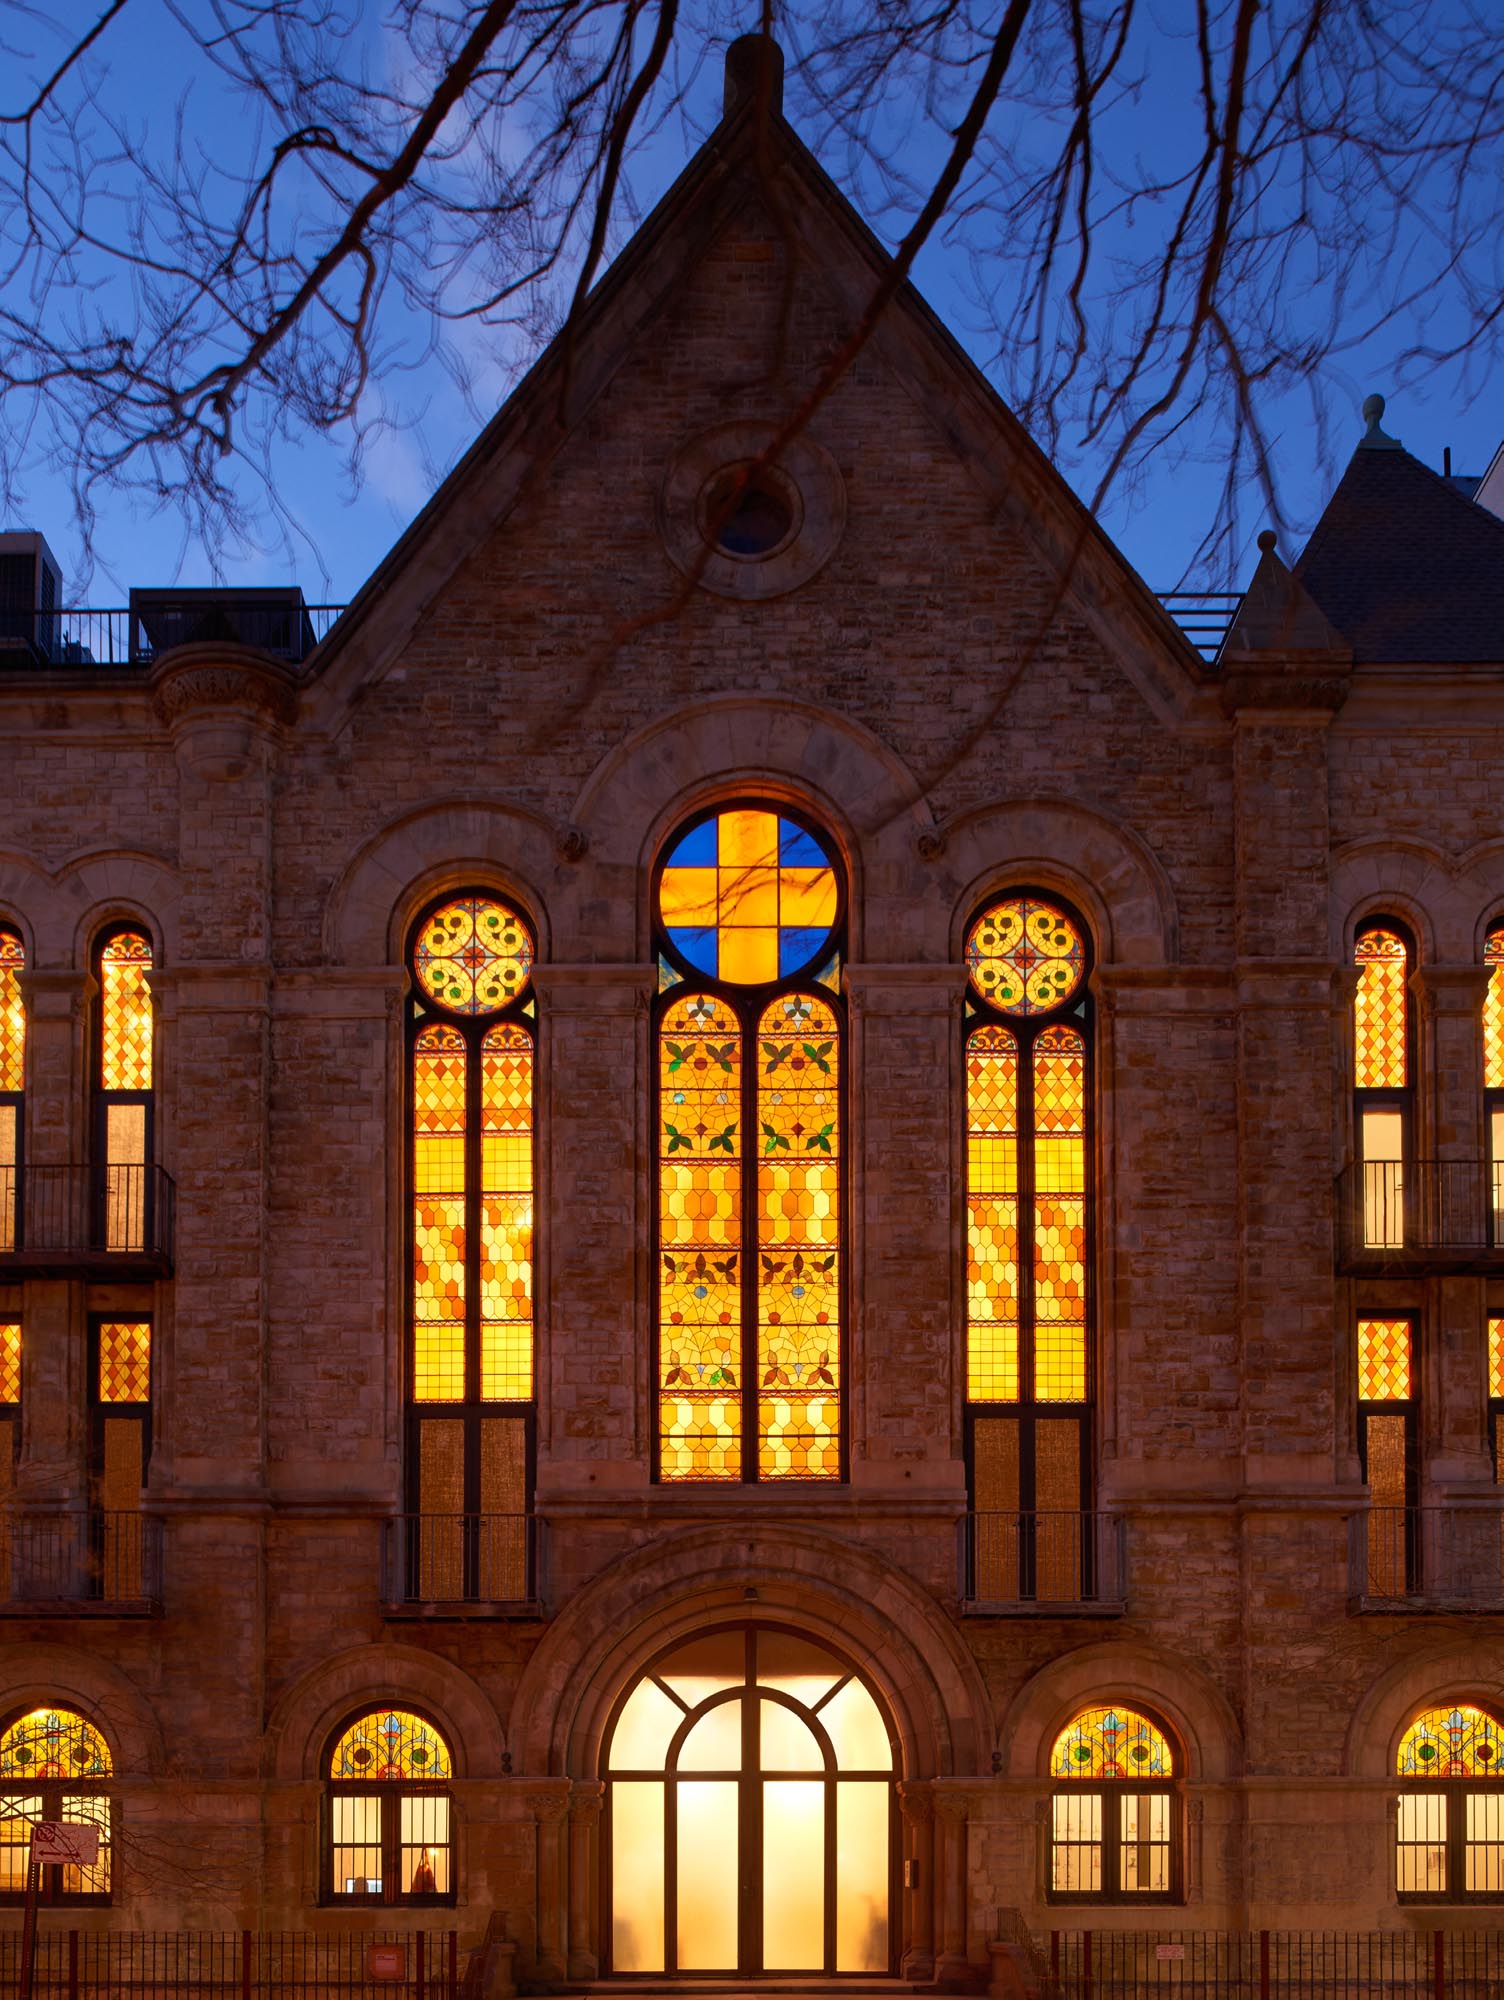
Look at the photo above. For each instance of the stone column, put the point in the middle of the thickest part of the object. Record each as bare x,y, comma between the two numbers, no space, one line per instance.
918,1941
551,1810
951,1809
585,1801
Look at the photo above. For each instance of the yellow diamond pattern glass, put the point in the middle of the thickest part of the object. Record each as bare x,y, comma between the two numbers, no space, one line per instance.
1383,1360
798,1239
12,1013
473,955
125,1361
1461,1742
125,1013
440,1062
992,1215
1496,1358
53,1743
506,1218
1060,1216
391,1745
699,1241
748,897
1493,1012
1025,957
1111,1743
10,1361
1379,1011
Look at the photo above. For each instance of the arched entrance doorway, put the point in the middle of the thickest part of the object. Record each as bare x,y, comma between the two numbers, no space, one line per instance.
749,1800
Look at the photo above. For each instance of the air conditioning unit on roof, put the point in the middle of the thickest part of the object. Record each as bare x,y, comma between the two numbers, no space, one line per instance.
31,598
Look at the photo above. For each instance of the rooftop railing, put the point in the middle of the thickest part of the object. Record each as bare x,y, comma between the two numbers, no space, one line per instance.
274,621
1205,616
1043,1562
67,1220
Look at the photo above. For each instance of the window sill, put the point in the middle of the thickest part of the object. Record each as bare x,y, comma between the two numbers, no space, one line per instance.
1104,1607
478,1611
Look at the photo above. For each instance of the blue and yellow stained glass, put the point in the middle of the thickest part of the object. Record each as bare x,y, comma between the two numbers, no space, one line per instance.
748,897
1111,1743
53,1743
1462,1742
391,1744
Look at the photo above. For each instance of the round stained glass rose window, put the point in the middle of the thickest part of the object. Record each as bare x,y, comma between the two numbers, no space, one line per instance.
1025,957
473,956
748,896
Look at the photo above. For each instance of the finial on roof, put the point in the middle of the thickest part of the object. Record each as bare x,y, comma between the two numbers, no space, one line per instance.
1268,540
753,63
1376,438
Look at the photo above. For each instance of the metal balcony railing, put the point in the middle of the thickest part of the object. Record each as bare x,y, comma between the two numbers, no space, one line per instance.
66,1561
1425,1213
274,621
1205,616
1441,1558
1041,1562
67,1219
459,1559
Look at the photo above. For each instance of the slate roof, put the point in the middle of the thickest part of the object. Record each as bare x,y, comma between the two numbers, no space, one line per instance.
1406,569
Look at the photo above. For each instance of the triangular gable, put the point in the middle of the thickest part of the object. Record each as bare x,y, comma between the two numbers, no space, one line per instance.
723,179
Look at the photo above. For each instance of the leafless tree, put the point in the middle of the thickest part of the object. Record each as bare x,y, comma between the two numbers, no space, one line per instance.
1172,217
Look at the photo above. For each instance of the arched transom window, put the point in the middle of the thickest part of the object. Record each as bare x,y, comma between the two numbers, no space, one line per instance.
54,1765
750,1029
389,1838
12,1082
1381,1080
1028,1190
1449,1828
470,1352
1114,1821
125,1097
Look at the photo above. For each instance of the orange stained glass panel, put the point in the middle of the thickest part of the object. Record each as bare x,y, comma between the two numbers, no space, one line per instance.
391,1745
992,1215
1383,1360
748,896
1060,1216
10,1361
125,1013
1493,1012
125,1361
473,955
12,1013
798,1239
1025,956
1111,1742
439,1085
506,1214
699,1229
1460,1742
53,1743
1496,1357
1379,1011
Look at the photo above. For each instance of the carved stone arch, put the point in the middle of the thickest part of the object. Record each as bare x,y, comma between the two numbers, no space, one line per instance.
38,1675
841,1592
1104,868
92,890
449,845
1481,878
366,1677
1406,879
1167,1684
1433,1679
26,893
844,776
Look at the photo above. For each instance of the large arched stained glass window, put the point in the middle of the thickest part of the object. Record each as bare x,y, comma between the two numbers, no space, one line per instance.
1449,1828
1114,1822
1381,1080
1028,1190
54,1765
388,1832
750,1030
12,1083
470,1352
125,1098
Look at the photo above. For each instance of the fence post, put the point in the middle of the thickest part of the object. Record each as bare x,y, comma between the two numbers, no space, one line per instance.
1086,1965
1263,1965
73,1965
454,1963
245,1965
418,1986
1438,1965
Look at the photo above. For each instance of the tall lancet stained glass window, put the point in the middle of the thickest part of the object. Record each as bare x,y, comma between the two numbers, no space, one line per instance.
470,1389
750,1030
124,1097
1028,1036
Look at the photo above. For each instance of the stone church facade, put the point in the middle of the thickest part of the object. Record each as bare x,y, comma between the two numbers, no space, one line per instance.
753,1190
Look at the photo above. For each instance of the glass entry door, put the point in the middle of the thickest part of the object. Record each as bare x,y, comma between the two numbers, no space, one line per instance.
749,1792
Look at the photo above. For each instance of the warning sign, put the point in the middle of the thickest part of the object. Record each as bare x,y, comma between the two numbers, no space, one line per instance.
74,1844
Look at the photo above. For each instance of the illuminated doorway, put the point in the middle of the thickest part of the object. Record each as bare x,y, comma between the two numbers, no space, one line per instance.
750,1812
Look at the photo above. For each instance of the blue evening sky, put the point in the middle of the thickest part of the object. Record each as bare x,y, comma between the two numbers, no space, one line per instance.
146,63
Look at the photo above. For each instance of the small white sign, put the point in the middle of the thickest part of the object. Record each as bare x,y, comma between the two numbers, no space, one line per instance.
70,1841
1164,1951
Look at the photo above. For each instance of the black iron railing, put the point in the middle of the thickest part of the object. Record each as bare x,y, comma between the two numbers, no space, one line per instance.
1036,1561
1391,1211
1447,1558
460,1559
1205,616
58,1218
68,1559
1409,1964
274,621
79,1964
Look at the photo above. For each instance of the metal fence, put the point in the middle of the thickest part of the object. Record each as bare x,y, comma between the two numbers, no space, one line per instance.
1018,1561
460,1558
1277,1965
80,1557
134,635
52,1217
237,1965
1446,1557
1205,616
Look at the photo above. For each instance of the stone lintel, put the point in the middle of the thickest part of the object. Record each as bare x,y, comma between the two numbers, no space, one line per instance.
576,989
1452,989
904,989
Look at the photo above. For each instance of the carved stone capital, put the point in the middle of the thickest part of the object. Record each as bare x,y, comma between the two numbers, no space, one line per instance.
917,1802
549,1808
220,703
586,1801
952,1806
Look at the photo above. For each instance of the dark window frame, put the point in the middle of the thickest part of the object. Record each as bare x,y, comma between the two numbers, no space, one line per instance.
1112,1791
1404,1099
389,1792
102,1100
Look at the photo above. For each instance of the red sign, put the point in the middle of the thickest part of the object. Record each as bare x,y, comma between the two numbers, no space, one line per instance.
386,1961
67,1840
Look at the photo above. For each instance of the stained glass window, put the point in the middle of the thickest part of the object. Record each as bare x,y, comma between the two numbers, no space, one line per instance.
1111,1743
12,1014
1383,1360
470,1390
1493,1011
125,1012
10,1361
1386,1451
54,1765
120,1450
1449,1834
1463,1742
1028,1026
1380,1011
750,1149
391,1745
124,1100
125,1361
388,1836
1114,1832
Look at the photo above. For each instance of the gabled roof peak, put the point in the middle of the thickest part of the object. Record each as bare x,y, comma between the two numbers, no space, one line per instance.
1375,438
754,68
